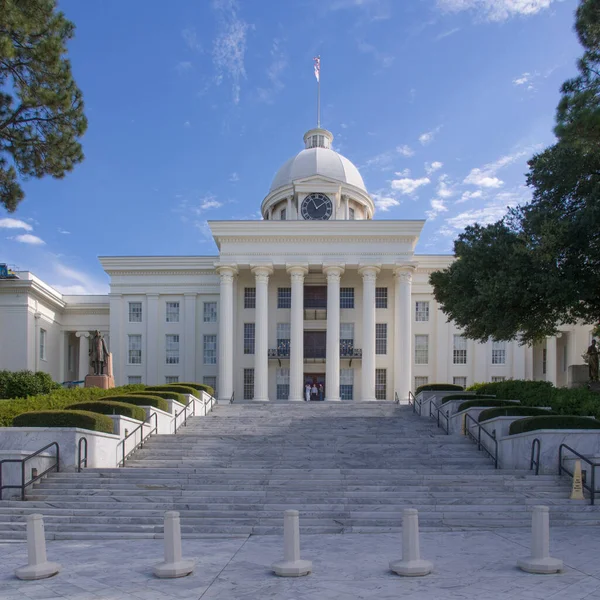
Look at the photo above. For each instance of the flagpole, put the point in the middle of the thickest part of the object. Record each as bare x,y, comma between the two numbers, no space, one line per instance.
319,102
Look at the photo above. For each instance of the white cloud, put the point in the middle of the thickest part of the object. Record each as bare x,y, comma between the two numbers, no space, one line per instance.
384,60
276,68
437,207
9,223
234,177
191,39
405,151
184,67
27,238
495,10
470,196
70,281
433,167
445,189
63,231
384,202
229,47
522,80
407,186
187,124
446,34
375,10
382,161
404,173
480,178
429,136
486,176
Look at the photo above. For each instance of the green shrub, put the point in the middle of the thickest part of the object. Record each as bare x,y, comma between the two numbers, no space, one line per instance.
172,387
553,422
472,403
439,387
20,384
58,399
200,386
166,395
108,407
466,397
512,411
142,400
65,418
530,393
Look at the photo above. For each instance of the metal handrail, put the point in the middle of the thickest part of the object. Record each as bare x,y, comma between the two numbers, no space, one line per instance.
591,488
232,398
536,447
396,398
23,461
185,415
414,403
143,438
480,446
439,411
79,459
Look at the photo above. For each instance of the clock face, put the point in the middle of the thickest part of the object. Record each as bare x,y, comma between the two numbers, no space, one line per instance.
316,207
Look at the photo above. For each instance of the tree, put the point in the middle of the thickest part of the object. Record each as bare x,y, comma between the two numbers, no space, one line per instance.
41,107
538,267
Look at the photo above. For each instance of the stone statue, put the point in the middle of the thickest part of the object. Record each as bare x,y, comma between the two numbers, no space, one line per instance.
98,353
592,354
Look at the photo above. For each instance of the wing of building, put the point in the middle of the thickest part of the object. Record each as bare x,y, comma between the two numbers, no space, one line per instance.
318,292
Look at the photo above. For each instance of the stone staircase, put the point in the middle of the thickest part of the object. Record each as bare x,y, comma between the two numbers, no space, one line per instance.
348,467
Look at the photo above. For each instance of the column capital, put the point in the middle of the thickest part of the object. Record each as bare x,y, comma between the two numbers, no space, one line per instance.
80,334
334,270
369,272
264,270
299,269
226,269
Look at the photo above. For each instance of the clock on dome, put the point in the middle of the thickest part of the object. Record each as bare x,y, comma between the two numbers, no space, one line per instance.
316,207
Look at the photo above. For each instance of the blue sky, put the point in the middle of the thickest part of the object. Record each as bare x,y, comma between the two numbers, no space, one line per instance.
194,105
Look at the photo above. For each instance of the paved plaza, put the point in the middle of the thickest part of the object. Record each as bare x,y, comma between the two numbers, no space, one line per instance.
467,565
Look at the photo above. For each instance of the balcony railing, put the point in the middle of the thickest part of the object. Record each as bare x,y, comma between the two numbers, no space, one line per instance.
312,352
315,314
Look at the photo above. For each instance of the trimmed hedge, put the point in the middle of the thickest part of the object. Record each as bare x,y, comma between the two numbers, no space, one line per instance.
111,408
439,387
172,387
57,399
65,418
142,400
21,384
472,403
200,386
512,411
466,397
553,422
166,395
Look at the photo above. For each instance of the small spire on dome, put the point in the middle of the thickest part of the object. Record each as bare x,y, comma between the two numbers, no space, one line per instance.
318,138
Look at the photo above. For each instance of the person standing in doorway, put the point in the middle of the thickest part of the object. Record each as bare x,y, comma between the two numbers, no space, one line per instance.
314,392
592,354
321,392
307,392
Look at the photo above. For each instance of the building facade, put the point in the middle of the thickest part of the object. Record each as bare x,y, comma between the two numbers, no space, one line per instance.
317,292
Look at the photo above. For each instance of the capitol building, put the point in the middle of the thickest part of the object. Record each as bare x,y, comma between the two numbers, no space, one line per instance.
318,291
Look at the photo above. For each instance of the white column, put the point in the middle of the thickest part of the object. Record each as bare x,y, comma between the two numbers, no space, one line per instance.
403,333
84,354
297,274
61,356
117,342
225,339
189,336
551,368
261,346
289,215
369,276
151,344
332,366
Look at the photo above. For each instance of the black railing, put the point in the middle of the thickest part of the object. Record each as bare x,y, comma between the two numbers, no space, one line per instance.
477,438
184,411
396,398
231,400
315,352
534,458
143,438
590,487
82,461
34,478
434,408
416,404
315,314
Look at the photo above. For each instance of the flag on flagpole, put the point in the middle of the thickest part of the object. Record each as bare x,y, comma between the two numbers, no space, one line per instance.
317,61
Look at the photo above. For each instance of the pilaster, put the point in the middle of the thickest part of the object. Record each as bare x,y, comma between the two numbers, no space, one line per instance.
84,354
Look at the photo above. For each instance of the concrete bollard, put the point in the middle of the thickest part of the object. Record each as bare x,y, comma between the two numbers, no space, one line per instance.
540,560
411,564
291,565
38,566
174,565
577,489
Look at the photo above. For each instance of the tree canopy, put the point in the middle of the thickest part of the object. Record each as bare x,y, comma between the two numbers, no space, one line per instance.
539,266
41,107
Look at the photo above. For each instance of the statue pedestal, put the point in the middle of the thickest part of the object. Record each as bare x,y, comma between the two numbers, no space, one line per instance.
104,382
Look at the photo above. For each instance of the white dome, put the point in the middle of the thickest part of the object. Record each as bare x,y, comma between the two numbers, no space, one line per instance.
318,161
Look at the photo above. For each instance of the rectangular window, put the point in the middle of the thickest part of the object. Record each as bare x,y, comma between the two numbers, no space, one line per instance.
346,297
459,353
133,379
135,349
347,384
380,384
421,349
283,384
283,214
42,344
172,312
249,337
462,381
381,297
210,349
250,297
565,358
422,311
212,381
248,384
172,346
381,338
284,297
210,312
135,312
419,381
544,362
71,358
498,378
171,378
346,339
498,353
283,339
351,216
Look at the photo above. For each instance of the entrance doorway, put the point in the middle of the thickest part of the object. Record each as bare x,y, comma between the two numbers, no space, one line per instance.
316,380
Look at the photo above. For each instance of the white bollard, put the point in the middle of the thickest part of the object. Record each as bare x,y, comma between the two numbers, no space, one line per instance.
540,560
174,565
411,564
38,566
291,565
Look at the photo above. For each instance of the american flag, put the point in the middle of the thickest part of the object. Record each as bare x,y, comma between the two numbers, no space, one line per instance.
317,61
